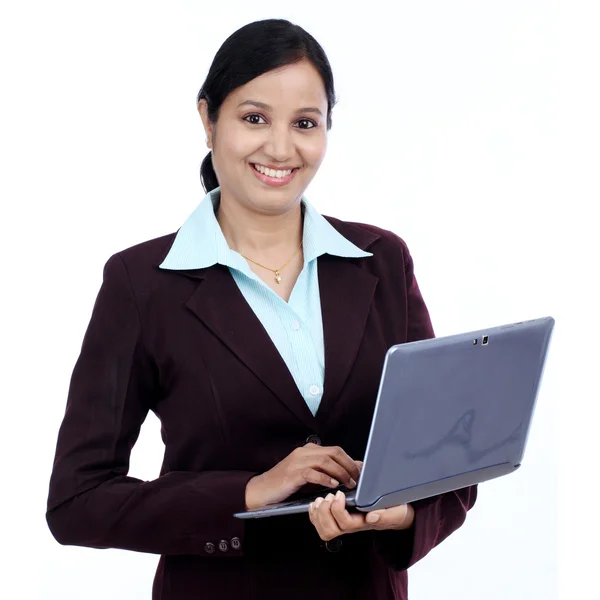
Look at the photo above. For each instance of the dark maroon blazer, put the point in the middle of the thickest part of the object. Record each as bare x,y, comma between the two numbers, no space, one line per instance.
187,346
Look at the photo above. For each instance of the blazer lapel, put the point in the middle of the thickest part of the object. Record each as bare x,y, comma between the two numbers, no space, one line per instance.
346,294
219,304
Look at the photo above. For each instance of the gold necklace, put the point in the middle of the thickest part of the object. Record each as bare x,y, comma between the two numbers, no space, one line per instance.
276,271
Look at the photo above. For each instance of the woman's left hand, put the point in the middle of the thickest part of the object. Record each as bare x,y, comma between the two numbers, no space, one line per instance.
331,519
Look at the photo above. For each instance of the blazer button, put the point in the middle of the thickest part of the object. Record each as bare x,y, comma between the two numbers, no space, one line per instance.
223,546
236,544
209,548
334,545
313,439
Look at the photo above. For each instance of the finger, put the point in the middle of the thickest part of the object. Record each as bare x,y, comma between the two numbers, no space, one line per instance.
312,513
310,475
321,470
338,454
326,525
327,464
336,462
312,509
346,521
395,517
373,517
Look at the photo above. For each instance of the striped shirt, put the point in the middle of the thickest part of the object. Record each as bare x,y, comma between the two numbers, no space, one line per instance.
295,327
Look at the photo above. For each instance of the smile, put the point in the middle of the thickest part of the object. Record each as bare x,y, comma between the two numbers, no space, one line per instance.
271,176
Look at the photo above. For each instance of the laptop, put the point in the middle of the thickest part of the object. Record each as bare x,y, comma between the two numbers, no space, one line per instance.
451,412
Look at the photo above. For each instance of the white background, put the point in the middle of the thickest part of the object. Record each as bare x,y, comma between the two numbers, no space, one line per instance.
470,128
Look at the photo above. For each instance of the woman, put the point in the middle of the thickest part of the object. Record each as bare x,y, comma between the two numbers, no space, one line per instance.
256,333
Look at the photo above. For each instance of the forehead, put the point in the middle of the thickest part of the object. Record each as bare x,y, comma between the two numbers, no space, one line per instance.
298,84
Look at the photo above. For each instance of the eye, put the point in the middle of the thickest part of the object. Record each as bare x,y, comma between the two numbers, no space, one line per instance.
308,124
254,118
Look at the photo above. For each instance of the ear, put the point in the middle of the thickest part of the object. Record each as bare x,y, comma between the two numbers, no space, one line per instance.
208,126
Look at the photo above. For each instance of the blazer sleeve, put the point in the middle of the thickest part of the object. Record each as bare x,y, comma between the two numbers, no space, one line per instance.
92,501
439,516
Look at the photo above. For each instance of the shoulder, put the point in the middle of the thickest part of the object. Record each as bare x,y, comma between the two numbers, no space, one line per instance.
148,253
138,262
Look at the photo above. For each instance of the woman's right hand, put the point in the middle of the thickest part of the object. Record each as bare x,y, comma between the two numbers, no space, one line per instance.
327,466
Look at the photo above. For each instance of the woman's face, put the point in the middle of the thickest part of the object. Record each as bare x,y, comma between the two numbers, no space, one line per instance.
276,121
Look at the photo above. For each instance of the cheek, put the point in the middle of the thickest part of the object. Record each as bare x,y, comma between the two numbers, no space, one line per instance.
313,150
235,144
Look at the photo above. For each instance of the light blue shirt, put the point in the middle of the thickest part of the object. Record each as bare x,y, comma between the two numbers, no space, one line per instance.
296,326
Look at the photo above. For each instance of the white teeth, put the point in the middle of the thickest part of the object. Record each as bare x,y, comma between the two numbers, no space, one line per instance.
273,173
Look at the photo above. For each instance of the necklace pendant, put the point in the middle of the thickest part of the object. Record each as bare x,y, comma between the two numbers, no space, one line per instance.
277,277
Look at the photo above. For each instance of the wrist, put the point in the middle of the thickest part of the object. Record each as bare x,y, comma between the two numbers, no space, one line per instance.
252,493
410,517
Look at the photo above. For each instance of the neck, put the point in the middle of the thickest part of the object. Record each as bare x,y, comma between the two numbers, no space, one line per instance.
272,237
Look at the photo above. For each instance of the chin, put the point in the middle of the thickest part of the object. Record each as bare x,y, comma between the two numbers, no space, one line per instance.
278,202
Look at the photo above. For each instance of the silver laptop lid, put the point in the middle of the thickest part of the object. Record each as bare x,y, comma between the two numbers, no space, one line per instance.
453,409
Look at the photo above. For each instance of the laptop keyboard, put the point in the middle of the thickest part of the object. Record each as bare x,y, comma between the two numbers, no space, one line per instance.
349,493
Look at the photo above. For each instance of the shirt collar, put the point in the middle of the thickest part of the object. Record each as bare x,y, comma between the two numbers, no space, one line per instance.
200,243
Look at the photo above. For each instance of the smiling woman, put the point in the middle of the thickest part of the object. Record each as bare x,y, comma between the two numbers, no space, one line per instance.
281,141
266,118
256,333
286,78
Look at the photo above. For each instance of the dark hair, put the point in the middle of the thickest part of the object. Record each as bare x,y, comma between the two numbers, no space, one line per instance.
248,53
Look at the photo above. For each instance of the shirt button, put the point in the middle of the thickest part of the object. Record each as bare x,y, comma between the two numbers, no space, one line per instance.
295,325
313,439
209,548
236,543
314,390
223,546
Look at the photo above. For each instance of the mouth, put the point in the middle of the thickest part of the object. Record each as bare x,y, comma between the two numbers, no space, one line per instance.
272,177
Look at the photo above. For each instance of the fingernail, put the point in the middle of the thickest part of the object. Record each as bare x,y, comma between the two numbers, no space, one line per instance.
373,517
335,482
310,507
339,495
329,497
318,502
352,483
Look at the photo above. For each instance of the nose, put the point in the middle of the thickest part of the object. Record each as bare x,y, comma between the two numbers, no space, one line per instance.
279,145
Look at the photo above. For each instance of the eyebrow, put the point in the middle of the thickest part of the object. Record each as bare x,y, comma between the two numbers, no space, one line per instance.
310,109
